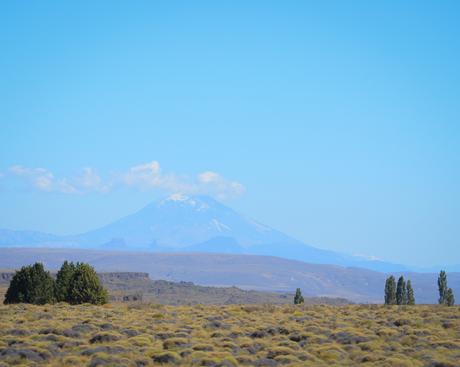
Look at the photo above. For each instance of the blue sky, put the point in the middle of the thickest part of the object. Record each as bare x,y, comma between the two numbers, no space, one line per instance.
337,123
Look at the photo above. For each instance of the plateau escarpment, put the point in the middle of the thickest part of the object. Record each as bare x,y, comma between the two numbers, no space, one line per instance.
138,287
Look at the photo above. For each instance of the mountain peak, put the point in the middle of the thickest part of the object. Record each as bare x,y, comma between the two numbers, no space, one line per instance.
198,202
177,197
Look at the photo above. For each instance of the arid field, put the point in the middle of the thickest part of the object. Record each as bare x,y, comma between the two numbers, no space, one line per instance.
236,335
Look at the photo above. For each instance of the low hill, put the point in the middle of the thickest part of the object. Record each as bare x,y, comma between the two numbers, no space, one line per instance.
124,286
249,272
137,286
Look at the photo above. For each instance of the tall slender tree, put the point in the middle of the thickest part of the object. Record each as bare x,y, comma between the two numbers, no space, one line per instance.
410,293
450,299
442,287
298,298
401,298
390,290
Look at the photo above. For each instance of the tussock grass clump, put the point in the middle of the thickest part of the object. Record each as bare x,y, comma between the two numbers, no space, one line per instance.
166,358
231,335
175,343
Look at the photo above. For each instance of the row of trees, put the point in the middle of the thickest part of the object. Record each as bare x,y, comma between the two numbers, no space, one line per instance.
402,293
75,283
399,294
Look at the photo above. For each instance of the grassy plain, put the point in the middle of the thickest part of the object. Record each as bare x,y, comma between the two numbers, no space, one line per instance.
231,335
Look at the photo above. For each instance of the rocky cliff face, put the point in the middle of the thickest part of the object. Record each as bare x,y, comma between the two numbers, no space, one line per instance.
122,276
111,277
5,277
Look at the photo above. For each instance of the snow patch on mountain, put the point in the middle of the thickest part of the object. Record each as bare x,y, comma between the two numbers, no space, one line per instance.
221,227
177,197
259,226
195,202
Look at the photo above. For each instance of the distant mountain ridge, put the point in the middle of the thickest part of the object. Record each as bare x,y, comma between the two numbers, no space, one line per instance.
192,224
249,272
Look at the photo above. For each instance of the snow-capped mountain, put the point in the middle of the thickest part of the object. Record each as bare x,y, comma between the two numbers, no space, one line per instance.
192,224
179,222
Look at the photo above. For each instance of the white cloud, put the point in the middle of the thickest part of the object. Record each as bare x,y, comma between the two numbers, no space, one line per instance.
65,187
208,177
149,176
40,178
146,176
44,180
214,183
89,180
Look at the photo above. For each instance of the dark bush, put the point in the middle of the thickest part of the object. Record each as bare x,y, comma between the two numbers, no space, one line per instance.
63,281
85,286
74,284
31,284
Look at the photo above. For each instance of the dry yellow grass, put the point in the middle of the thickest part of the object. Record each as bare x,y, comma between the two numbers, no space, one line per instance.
145,335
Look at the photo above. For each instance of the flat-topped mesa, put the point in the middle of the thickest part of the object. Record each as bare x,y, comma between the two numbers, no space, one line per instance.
105,277
126,275
6,276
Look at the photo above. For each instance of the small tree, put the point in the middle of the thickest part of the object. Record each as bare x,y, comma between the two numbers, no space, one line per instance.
31,284
85,286
298,298
410,293
450,299
442,287
63,281
401,298
390,291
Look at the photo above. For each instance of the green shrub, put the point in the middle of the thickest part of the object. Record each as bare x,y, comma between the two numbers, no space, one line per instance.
85,286
450,299
298,298
31,284
63,281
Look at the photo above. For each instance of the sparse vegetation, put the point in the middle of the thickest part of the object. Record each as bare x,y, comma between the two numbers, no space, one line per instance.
149,334
233,335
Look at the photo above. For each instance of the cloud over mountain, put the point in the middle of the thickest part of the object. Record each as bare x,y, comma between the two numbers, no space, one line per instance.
145,176
43,179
